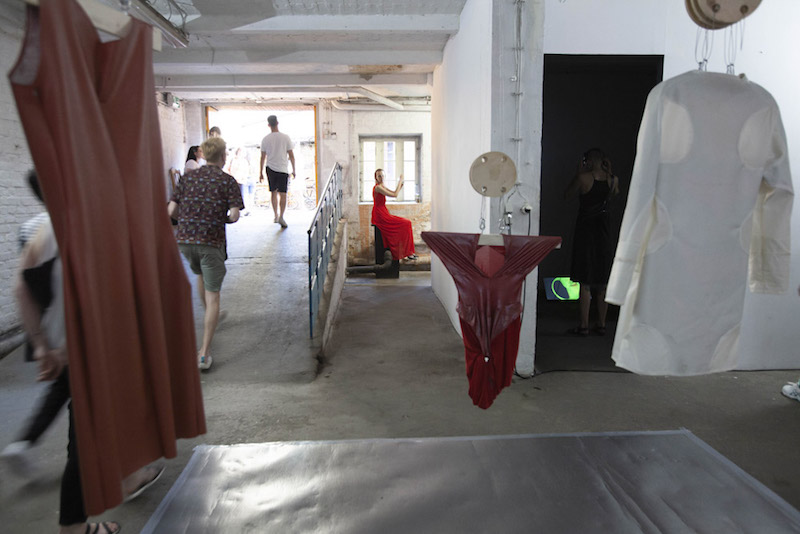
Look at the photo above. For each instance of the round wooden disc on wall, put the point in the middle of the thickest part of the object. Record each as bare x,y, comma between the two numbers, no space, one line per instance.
492,174
716,14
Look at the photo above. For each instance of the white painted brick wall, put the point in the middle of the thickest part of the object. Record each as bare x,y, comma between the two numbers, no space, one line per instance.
17,203
195,124
173,138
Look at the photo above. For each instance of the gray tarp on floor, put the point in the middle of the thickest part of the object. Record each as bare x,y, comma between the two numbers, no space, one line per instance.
652,482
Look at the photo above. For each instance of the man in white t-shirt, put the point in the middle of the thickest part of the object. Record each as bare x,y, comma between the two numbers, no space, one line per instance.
276,151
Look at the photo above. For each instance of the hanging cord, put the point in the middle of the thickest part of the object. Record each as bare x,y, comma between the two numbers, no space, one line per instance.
517,78
174,8
734,35
703,51
482,223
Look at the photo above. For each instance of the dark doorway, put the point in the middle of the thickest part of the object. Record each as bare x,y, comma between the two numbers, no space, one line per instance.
589,101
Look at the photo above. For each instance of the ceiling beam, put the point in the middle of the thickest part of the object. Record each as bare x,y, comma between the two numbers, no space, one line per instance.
205,57
447,24
256,82
372,95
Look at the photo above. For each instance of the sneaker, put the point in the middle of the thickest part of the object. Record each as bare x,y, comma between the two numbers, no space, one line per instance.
282,222
791,390
204,362
15,456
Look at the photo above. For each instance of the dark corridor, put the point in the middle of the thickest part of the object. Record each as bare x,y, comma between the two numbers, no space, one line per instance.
589,101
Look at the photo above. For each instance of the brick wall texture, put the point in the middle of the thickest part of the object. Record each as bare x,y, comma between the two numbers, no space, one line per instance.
17,203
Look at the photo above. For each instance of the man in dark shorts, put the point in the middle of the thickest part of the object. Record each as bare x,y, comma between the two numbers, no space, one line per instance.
276,151
203,202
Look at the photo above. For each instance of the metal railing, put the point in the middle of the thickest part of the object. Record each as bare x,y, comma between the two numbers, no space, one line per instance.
320,240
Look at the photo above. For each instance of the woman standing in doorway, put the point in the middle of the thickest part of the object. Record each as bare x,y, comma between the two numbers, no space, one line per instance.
592,253
397,234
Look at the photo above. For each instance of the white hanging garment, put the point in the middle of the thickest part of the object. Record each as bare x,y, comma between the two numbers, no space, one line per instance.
708,210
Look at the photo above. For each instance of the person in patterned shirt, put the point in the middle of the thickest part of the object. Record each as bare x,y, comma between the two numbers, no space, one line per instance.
205,200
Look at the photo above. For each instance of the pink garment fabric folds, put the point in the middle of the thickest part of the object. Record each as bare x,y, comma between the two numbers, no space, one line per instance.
87,106
489,304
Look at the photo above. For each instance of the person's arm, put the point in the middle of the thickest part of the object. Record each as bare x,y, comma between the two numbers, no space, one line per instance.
51,360
614,185
573,188
261,167
291,158
382,189
233,215
172,209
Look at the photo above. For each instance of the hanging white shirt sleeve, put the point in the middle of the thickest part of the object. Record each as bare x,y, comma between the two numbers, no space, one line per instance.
770,245
640,208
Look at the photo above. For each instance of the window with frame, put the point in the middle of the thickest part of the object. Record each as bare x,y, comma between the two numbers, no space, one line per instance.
396,156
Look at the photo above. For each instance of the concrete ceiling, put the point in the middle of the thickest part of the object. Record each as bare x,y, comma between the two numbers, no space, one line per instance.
354,51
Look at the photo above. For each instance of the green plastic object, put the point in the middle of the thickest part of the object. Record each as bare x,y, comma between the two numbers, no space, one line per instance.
563,288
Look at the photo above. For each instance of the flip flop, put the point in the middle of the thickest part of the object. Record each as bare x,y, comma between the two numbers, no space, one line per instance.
106,526
144,485
578,331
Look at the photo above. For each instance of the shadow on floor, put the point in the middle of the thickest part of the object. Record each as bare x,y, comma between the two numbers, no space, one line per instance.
557,349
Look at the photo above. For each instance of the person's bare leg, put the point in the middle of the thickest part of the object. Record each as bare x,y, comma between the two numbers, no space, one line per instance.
201,290
281,221
140,478
275,204
602,306
210,320
283,203
583,303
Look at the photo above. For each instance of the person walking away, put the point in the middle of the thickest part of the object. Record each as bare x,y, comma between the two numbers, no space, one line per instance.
205,201
277,151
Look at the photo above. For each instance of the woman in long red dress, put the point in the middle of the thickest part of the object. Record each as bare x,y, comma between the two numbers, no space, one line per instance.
397,234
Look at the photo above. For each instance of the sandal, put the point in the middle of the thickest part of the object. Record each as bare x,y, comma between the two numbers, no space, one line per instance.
146,484
599,330
578,331
94,528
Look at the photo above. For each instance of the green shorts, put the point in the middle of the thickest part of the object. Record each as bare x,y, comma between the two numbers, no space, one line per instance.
207,261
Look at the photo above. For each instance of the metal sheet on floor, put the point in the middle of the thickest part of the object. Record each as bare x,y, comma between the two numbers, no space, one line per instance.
659,482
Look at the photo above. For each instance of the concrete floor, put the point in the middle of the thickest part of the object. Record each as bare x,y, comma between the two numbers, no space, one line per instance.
394,369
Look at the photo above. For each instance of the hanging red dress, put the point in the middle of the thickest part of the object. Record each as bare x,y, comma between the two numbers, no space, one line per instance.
489,283
89,114
396,231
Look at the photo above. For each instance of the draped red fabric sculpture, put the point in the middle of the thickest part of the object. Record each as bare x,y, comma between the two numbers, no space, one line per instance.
396,231
89,114
489,308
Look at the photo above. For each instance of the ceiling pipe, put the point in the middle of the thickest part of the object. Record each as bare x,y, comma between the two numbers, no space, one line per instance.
344,106
372,95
